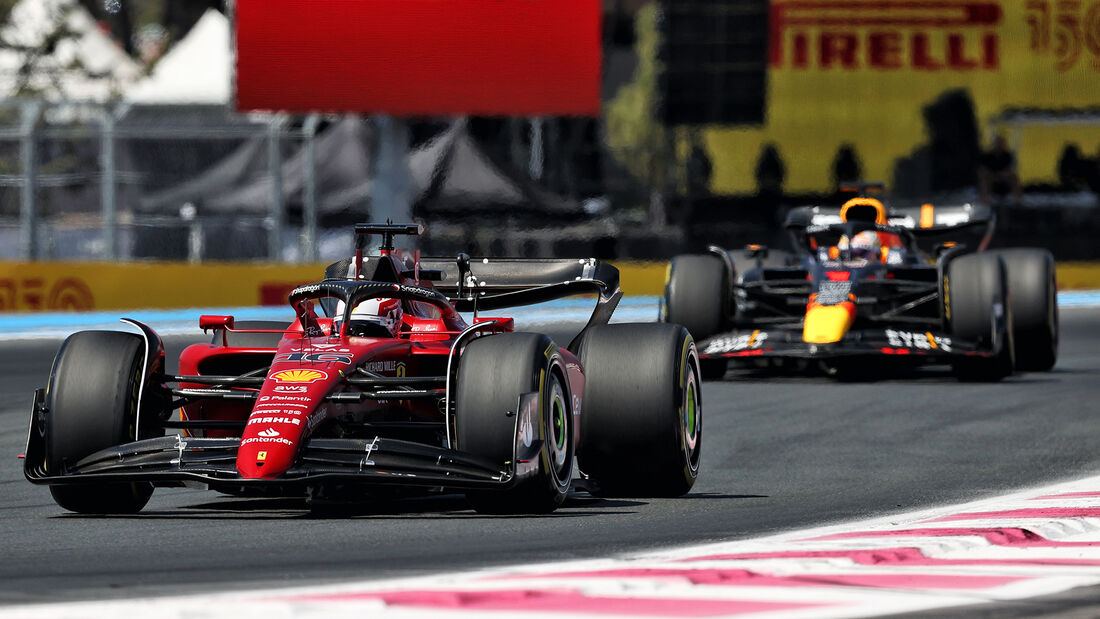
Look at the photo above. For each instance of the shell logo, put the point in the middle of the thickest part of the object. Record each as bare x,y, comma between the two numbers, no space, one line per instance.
298,376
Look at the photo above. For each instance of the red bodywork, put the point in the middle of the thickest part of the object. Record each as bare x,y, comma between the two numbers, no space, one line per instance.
293,403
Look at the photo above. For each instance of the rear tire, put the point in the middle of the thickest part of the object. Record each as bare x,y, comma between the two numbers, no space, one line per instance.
641,427
696,294
493,372
1033,290
92,401
978,310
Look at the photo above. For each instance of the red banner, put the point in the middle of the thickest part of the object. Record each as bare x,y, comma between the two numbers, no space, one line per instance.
419,57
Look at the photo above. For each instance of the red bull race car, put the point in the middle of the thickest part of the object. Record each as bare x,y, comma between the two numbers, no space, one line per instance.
865,287
381,386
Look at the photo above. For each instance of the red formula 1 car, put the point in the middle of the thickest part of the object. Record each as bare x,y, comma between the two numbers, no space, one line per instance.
380,384
866,289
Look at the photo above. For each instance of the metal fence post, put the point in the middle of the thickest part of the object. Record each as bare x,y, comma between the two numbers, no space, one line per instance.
535,163
391,188
31,113
277,214
309,197
107,185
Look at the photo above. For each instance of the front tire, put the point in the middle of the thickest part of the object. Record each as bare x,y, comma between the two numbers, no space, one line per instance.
493,372
642,422
978,310
1033,290
92,401
697,294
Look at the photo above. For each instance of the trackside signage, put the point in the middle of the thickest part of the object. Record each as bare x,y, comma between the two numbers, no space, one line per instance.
88,286
862,71
83,286
420,57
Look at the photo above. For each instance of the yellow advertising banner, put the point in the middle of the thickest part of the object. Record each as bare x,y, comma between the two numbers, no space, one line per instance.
85,286
861,71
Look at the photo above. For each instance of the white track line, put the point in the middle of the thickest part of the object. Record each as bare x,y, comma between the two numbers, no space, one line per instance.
1031,543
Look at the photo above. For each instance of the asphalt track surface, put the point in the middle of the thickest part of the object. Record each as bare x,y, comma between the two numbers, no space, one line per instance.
781,452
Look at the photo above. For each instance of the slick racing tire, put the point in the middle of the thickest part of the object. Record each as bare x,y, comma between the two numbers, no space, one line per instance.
978,310
493,372
1032,295
92,404
253,340
642,421
696,294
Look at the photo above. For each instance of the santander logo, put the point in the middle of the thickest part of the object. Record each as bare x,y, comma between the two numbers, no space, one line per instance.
269,433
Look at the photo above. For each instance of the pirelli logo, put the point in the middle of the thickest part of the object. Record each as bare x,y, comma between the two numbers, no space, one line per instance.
885,35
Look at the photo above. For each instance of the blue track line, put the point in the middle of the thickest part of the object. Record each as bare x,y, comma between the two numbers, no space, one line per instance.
185,321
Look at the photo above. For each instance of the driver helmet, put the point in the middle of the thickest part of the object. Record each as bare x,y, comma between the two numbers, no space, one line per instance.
865,246
379,317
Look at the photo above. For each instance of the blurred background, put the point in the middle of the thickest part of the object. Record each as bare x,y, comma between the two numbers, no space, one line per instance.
119,138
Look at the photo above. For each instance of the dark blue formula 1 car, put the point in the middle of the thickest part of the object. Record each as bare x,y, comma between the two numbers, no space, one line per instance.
864,286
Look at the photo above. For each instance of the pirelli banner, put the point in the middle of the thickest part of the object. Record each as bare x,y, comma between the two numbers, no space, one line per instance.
860,72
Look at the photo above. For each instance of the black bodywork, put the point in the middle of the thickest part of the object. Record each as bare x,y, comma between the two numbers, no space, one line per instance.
899,306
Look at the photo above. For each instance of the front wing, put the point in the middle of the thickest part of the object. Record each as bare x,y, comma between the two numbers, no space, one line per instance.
902,342
173,460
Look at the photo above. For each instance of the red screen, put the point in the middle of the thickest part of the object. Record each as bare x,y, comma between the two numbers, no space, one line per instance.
420,57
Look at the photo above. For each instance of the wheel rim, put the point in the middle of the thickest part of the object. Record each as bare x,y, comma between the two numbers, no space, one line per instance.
691,416
558,433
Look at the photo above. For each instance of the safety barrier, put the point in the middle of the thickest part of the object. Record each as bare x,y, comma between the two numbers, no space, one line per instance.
87,286
83,286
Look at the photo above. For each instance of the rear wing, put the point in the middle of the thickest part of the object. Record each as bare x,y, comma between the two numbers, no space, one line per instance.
475,284
925,222
509,282
927,217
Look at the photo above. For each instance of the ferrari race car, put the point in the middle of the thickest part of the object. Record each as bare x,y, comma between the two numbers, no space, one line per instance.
867,285
378,387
